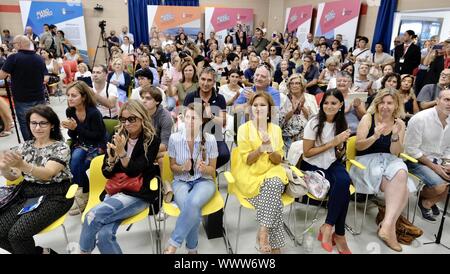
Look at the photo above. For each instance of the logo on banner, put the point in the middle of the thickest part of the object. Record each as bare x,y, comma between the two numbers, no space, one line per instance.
330,16
223,19
72,3
43,14
167,17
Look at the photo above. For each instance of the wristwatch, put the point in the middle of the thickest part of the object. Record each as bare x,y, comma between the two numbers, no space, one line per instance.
395,138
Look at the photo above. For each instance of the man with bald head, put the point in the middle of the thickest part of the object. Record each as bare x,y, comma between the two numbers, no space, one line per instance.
32,36
28,73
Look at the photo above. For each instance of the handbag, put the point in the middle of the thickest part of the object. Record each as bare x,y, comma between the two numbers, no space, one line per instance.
8,195
122,182
405,231
317,184
296,187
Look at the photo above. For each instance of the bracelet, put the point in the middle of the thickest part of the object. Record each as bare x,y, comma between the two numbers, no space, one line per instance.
31,170
395,138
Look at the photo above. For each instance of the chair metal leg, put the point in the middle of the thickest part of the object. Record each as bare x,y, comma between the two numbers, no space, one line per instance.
353,230
228,248
151,235
65,234
238,229
287,227
306,214
416,204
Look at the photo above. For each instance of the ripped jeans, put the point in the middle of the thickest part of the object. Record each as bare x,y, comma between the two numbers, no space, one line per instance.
101,222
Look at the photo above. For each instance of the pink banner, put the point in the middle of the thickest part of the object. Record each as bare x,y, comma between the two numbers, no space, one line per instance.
226,18
297,16
338,13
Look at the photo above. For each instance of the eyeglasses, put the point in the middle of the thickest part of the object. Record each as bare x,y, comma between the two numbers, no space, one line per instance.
273,50
131,119
42,124
444,75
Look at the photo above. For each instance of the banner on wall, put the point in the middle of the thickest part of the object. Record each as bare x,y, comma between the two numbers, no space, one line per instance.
168,19
298,21
224,21
339,17
66,16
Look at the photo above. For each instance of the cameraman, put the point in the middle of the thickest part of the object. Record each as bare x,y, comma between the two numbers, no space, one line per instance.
112,40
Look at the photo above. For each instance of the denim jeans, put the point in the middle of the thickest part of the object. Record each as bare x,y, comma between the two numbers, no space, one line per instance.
79,163
102,221
190,197
21,111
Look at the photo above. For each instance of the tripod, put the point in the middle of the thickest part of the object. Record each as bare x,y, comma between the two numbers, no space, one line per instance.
441,226
13,113
101,44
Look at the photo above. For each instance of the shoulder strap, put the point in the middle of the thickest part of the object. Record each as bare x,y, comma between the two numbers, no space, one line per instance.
361,52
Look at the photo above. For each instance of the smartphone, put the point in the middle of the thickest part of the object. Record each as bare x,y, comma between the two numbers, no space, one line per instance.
438,46
31,204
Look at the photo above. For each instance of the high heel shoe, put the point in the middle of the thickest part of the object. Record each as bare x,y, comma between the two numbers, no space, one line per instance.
325,246
392,244
333,240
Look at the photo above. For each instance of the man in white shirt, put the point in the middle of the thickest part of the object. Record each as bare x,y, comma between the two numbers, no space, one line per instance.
106,96
309,43
428,140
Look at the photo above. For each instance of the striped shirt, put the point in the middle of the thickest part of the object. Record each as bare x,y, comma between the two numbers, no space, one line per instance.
179,150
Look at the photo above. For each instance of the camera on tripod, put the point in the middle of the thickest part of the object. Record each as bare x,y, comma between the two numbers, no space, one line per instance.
102,25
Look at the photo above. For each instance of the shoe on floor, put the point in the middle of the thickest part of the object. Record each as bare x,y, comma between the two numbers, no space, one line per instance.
427,213
80,203
435,209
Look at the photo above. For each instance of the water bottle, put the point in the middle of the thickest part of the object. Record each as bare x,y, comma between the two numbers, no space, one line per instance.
308,240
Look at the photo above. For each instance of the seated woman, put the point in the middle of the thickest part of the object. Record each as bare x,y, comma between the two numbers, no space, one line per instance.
44,163
323,144
132,151
83,74
193,157
379,141
408,97
300,107
87,131
121,79
260,145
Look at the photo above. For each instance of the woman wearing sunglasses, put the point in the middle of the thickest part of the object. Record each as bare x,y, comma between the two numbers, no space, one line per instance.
132,151
193,156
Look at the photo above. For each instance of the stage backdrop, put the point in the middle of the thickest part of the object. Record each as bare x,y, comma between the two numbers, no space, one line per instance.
339,17
67,16
298,21
223,21
169,18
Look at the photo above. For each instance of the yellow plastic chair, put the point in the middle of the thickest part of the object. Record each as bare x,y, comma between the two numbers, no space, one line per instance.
215,204
351,155
60,221
233,190
97,184
110,125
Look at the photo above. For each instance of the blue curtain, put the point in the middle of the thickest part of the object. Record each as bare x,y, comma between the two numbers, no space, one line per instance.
384,25
181,2
138,22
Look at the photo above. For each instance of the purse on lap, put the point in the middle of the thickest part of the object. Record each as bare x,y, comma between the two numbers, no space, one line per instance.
317,184
122,182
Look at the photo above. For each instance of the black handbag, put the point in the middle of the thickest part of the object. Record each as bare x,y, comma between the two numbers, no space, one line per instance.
8,195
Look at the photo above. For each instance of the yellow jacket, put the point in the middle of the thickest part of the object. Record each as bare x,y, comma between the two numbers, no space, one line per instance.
249,178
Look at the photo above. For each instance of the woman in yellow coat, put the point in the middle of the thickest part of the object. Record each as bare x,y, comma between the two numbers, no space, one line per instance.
261,178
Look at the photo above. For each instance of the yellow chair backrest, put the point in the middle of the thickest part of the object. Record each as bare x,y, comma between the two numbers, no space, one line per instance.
234,165
97,183
15,182
166,172
351,151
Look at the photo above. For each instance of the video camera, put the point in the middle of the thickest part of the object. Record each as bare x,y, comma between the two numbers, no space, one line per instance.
102,24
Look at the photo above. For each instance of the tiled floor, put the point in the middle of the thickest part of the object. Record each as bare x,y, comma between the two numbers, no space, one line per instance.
137,240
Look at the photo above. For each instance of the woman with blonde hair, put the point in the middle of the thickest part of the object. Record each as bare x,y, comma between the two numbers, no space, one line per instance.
121,79
379,141
132,151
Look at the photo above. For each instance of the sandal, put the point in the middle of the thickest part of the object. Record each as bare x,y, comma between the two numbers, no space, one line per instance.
168,251
5,133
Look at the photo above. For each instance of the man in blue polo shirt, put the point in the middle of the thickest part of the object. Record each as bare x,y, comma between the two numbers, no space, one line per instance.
262,81
215,107
28,73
